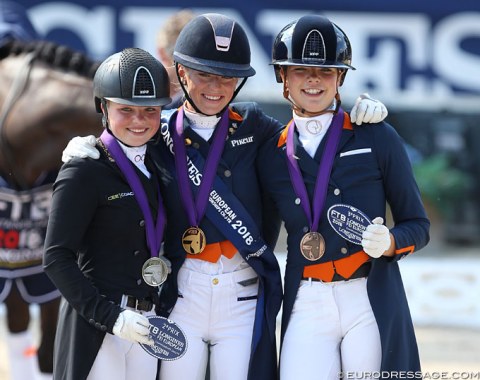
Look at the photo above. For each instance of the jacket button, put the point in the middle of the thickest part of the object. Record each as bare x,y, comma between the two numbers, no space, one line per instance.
91,321
227,173
141,223
136,253
103,328
344,250
336,191
196,145
139,282
215,281
306,229
297,201
98,325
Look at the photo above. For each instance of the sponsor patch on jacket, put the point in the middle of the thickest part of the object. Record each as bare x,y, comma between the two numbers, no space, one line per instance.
114,197
242,141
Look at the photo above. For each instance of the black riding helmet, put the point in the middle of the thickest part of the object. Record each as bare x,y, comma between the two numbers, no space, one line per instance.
215,44
132,77
312,40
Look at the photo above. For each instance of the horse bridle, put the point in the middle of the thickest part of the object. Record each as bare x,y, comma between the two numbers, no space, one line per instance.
15,92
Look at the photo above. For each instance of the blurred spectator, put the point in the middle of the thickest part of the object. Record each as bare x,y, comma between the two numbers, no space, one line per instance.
166,38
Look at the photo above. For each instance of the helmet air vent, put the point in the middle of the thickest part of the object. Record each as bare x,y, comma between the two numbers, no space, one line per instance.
314,47
143,84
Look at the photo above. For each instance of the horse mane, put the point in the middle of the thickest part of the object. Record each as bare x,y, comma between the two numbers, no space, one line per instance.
58,56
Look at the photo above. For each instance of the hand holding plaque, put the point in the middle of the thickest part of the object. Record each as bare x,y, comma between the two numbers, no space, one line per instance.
167,339
348,221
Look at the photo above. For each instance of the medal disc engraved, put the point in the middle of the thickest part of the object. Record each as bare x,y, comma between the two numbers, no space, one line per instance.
170,342
348,221
194,241
155,271
312,246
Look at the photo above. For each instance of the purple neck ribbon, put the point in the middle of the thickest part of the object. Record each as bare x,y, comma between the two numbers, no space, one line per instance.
195,208
323,174
154,231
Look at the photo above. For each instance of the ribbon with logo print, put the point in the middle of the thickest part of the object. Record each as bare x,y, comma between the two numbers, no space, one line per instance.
154,231
195,206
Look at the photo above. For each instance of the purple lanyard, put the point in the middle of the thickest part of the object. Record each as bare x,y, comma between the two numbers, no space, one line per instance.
195,209
154,232
323,174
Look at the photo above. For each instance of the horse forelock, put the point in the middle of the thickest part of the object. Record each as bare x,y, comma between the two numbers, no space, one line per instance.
57,56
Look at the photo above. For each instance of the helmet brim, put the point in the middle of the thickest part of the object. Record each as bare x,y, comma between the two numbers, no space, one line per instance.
297,62
215,67
141,102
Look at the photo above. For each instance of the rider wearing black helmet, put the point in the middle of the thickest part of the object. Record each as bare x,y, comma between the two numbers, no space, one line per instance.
99,239
311,42
344,310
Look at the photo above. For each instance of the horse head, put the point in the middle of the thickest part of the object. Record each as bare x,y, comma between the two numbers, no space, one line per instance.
46,98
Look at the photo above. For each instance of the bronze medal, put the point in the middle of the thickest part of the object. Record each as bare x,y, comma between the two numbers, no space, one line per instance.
312,246
155,271
194,241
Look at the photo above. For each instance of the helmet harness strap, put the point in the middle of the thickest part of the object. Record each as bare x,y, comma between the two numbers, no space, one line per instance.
192,103
105,114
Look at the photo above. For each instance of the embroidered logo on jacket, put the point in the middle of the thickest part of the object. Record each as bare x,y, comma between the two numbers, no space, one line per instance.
119,196
238,142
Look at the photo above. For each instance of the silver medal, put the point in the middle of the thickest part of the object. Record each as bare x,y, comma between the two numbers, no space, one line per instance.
155,271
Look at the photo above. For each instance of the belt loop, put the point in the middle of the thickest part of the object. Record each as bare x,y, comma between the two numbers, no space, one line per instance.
123,301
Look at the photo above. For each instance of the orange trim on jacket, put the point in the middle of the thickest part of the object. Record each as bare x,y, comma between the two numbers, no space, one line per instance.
345,267
213,251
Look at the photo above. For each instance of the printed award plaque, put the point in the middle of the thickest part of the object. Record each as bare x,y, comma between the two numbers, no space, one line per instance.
170,341
348,221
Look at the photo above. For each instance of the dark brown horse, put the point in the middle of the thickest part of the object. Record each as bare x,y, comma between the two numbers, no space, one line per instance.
46,99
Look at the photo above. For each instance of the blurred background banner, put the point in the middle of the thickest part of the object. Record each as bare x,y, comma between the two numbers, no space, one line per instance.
421,58
415,55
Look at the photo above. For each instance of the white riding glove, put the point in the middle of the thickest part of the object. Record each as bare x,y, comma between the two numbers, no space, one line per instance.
132,326
376,238
81,147
368,110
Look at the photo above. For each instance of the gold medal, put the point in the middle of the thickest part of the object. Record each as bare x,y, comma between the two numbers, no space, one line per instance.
312,246
155,271
194,241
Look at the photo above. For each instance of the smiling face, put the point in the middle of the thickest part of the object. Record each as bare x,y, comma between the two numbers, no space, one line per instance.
210,93
133,125
312,88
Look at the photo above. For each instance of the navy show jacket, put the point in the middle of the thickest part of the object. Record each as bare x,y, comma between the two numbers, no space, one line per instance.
370,169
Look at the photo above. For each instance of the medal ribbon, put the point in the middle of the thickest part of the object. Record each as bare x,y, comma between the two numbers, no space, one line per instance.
154,231
324,170
195,208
